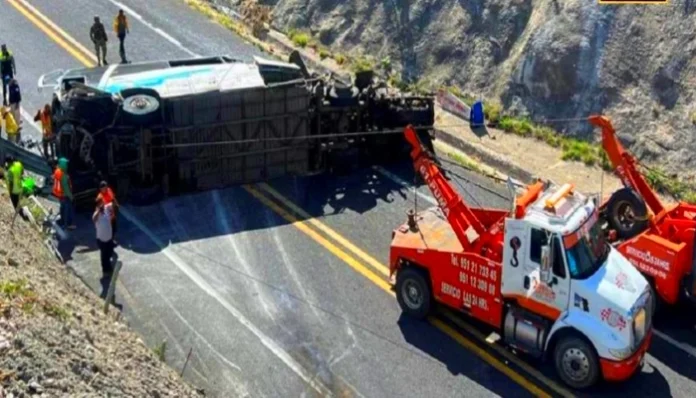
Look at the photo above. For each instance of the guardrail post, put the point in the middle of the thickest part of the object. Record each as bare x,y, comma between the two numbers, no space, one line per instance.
112,286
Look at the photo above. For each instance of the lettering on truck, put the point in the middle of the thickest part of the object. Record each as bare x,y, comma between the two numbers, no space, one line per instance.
647,262
434,189
478,278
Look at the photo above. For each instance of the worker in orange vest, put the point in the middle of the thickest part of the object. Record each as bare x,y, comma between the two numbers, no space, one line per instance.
121,29
106,195
44,115
62,189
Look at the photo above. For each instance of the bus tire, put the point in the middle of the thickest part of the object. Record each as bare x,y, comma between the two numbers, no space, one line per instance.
141,106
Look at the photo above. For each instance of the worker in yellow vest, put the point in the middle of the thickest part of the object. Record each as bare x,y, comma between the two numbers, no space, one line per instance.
11,126
14,175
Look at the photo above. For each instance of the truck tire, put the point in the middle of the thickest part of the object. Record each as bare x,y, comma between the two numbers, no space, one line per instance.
576,362
413,293
141,106
626,213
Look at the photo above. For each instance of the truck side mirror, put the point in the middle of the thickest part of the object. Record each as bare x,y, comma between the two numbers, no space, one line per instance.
546,261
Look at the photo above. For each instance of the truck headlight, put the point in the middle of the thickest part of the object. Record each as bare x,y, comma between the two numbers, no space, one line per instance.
622,353
639,326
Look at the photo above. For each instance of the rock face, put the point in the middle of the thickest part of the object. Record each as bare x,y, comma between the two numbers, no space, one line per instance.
551,59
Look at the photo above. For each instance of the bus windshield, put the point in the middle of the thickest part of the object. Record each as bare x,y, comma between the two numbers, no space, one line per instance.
586,249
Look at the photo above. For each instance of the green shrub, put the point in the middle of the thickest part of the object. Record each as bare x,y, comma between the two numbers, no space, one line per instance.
300,39
386,64
362,64
340,59
323,54
493,110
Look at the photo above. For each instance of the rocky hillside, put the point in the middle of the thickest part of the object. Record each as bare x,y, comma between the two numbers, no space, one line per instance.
550,59
55,340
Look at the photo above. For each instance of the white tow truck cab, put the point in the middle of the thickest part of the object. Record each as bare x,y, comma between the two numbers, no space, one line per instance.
567,287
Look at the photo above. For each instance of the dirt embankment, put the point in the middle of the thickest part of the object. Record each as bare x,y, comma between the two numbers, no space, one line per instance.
55,340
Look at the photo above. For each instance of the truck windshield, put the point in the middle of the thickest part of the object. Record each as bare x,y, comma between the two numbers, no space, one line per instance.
586,250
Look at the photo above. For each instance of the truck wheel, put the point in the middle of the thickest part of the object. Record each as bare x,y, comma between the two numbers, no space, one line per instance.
627,213
141,106
576,362
413,293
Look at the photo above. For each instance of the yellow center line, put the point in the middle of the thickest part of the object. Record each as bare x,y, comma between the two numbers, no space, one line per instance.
449,331
57,29
51,34
77,52
384,270
352,262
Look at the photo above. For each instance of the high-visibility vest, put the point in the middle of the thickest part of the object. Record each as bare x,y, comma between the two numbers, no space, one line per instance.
107,196
46,124
17,169
10,124
4,57
120,24
57,187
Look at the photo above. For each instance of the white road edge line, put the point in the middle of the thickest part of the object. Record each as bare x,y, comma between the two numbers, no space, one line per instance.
205,286
30,119
689,350
60,31
404,184
152,27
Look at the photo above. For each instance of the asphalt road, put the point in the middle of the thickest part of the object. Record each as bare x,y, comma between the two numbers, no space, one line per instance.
281,304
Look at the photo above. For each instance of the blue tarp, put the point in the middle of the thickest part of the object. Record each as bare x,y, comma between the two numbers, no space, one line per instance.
476,116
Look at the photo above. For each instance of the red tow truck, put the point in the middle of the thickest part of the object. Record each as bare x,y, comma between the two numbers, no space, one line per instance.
542,274
657,238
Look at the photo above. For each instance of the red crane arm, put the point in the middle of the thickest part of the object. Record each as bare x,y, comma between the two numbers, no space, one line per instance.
625,164
457,212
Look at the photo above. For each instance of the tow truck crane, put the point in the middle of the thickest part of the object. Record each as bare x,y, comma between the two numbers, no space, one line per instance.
542,274
657,238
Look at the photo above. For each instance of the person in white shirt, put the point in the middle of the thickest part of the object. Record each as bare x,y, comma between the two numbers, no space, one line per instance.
102,218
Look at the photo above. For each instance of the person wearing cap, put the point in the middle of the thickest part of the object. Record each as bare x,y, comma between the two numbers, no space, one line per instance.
102,217
97,33
107,196
11,126
8,70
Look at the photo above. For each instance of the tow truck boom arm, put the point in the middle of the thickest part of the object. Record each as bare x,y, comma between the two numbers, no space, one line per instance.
459,215
625,164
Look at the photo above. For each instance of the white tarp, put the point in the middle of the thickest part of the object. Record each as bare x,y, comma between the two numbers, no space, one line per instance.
452,104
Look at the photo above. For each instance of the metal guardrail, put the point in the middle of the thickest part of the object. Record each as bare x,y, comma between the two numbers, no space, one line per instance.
33,162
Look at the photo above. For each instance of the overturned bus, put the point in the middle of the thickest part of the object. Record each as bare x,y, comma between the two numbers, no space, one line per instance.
166,127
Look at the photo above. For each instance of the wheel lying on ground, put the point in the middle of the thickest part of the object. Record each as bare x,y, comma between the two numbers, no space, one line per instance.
141,106
413,292
576,362
626,213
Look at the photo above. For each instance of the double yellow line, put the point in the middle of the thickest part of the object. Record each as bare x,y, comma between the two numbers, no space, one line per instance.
371,269
352,255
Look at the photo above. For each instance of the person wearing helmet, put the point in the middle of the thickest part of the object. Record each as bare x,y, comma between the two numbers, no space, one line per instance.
62,189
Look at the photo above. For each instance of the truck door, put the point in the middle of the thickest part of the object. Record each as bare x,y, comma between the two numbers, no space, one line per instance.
548,283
